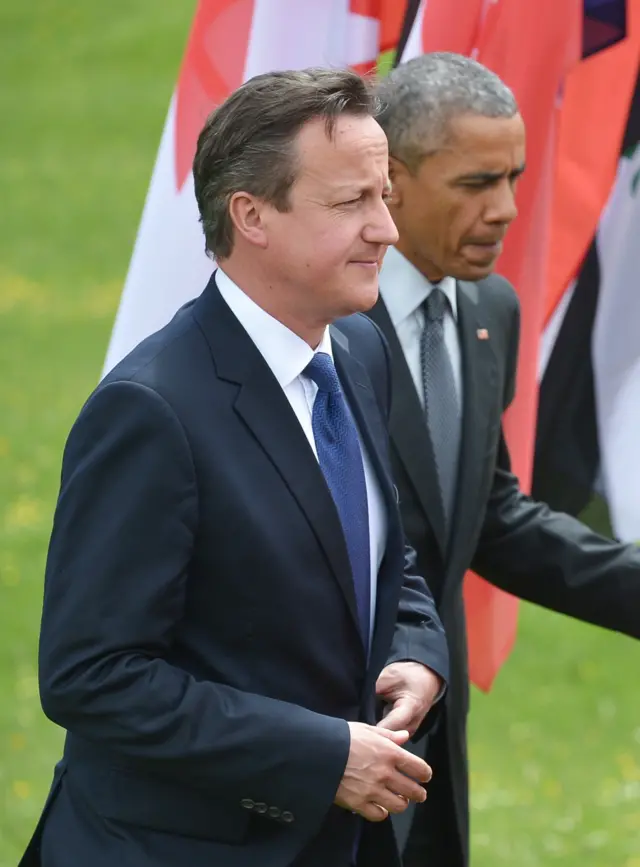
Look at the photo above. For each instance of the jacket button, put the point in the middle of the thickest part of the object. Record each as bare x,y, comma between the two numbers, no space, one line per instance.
275,812
247,804
287,816
261,808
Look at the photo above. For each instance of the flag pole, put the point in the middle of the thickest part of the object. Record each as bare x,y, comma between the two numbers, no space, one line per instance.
413,7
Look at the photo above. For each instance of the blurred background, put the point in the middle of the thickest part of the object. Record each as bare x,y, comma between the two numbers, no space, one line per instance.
555,744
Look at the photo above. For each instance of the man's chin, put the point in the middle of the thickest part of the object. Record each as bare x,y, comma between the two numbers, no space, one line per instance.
368,299
362,300
475,271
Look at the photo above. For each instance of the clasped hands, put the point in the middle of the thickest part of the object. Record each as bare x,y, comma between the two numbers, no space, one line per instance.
380,776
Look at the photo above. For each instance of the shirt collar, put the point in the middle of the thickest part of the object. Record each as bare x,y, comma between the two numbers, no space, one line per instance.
286,354
403,288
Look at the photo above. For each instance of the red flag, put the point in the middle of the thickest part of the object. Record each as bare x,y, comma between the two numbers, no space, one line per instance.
532,47
516,38
213,66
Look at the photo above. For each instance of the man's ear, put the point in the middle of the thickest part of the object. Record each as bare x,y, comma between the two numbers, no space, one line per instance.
246,213
397,172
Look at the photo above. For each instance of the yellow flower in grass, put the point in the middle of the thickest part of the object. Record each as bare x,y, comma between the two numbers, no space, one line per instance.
17,741
21,789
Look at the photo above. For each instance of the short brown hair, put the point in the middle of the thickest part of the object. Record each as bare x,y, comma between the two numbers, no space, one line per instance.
247,142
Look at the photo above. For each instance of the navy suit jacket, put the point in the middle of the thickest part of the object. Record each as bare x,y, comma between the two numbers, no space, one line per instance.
199,639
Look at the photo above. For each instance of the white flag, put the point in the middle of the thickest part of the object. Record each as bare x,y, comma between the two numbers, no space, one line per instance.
616,350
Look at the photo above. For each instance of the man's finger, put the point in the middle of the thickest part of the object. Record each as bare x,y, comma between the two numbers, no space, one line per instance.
400,784
373,812
392,802
413,767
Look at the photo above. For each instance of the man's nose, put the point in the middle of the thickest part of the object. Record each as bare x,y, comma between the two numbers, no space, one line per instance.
502,207
381,229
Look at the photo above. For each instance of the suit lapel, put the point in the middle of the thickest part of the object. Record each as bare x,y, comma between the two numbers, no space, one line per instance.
264,408
408,429
363,404
368,417
479,375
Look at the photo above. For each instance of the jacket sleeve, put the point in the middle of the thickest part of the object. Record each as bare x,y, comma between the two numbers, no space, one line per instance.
419,635
115,590
550,558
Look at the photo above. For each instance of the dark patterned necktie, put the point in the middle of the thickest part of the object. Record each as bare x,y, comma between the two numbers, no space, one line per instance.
340,459
440,398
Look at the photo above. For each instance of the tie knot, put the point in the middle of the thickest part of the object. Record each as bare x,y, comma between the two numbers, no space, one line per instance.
436,304
322,371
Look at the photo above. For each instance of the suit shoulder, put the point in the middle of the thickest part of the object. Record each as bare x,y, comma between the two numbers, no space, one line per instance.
362,331
368,345
159,361
500,301
500,291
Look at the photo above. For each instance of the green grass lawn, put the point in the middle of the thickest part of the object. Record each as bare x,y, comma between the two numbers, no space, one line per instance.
555,748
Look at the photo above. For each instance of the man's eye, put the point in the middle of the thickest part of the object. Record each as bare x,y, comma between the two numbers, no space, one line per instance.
353,201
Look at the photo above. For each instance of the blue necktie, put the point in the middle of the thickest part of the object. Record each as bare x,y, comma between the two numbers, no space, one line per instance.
340,460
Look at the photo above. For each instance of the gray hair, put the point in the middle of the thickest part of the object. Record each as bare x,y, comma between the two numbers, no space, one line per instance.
420,98
248,142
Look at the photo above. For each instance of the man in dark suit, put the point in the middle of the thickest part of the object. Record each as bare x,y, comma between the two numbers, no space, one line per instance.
227,576
457,149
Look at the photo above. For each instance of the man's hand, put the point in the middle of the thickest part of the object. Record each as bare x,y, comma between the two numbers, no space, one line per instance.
410,689
380,777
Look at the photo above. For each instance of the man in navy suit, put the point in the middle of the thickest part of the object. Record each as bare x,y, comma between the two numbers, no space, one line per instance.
228,597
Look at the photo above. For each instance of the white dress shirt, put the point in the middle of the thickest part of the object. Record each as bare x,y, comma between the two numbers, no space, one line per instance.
404,289
288,355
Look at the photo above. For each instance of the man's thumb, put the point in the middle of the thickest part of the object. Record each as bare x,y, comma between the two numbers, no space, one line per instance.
399,738
398,718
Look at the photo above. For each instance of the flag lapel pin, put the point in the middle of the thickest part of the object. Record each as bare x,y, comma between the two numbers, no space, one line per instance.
482,334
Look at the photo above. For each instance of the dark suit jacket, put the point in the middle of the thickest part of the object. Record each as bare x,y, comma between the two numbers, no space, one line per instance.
517,544
199,637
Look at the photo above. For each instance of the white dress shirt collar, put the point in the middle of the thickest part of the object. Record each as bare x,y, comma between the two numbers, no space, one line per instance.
286,354
403,288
